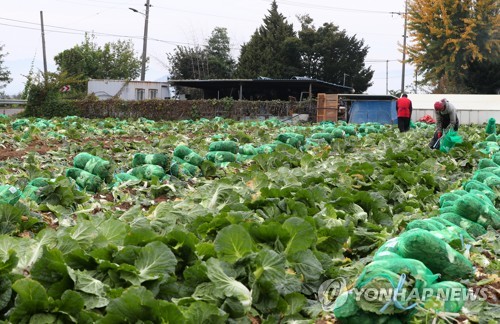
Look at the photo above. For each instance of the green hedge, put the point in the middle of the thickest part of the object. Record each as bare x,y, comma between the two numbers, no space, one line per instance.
158,109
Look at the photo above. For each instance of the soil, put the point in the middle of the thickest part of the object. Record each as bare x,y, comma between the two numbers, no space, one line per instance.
39,146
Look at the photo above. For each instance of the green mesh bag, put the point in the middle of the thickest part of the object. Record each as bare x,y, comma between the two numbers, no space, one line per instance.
492,182
9,194
156,158
194,159
328,129
220,156
481,195
93,164
447,199
477,185
477,210
84,179
486,163
124,177
388,247
224,146
325,136
492,138
20,123
345,305
383,280
348,130
242,157
388,275
436,254
482,174
181,169
32,188
449,140
453,228
293,139
247,149
496,158
181,151
447,292
338,133
81,160
473,228
491,127
147,171
266,148
429,224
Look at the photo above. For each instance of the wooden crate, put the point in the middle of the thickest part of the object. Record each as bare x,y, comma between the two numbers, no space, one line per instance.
327,108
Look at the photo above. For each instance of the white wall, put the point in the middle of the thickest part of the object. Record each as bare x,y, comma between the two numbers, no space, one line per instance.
471,109
105,89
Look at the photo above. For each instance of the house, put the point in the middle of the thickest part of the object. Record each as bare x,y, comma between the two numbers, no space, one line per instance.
130,90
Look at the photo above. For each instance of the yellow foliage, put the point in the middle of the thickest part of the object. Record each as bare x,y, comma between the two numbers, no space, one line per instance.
446,35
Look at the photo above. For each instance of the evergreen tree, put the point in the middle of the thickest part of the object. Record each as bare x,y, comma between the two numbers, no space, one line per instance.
329,54
273,50
218,51
454,41
4,72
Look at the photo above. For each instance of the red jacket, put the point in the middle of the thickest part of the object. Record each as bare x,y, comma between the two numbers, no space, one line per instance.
403,107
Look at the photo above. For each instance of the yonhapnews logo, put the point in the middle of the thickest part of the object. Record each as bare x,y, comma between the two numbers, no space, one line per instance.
330,290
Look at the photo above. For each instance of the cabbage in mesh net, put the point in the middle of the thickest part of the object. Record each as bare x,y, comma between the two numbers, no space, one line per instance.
436,254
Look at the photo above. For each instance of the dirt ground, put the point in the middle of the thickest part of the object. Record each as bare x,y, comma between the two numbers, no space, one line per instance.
39,146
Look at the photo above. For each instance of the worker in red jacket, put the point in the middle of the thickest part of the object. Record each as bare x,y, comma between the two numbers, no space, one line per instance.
404,109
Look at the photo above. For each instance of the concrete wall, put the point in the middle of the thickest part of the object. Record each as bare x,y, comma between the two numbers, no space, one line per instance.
105,89
471,109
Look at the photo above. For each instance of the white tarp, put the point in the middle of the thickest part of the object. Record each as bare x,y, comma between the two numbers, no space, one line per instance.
471,109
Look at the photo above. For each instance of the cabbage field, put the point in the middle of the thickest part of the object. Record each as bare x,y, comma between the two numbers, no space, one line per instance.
223,221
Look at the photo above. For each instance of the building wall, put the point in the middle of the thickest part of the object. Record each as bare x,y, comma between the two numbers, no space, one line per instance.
471,109
105,89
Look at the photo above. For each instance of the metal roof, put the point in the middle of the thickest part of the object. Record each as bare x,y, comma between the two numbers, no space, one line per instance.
365,97
293,86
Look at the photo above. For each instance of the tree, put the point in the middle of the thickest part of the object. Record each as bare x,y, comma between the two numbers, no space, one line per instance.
273,50
113,61
4,72
212,61
188,63
220,63
329,54
454,41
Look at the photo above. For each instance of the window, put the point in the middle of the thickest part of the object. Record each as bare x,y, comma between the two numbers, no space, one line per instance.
139,94
153,93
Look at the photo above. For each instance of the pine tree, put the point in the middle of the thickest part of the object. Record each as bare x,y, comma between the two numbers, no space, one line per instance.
220,63
273,50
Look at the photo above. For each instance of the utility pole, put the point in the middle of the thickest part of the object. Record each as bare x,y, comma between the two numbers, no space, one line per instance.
404,44
387,77
404,49
43,49
145,43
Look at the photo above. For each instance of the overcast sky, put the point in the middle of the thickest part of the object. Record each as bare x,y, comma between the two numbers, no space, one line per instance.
187,23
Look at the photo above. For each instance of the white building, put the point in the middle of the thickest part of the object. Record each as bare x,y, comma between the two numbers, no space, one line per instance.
130,90
471,109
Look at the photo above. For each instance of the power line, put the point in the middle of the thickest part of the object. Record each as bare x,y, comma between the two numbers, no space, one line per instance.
309,5
73,31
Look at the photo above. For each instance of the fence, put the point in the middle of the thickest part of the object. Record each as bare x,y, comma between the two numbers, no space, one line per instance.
7,106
